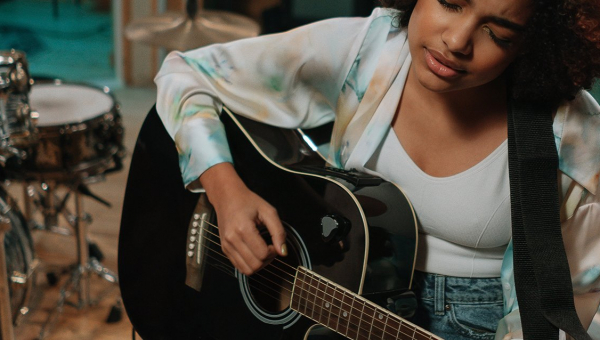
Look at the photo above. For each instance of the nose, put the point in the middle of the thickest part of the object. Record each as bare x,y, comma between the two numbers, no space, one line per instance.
459,38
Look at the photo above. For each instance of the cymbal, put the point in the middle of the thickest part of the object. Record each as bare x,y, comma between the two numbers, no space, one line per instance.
177,31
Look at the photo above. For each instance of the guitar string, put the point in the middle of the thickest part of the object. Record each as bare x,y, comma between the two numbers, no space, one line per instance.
295,269
318,290
306,305
375,309
265,268
251,278
228,264
320,315
314,294
292,276
276,259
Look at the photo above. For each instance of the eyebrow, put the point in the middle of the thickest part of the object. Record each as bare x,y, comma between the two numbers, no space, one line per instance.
505,22
508,24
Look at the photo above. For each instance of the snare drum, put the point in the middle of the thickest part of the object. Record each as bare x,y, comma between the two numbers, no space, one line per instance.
80,132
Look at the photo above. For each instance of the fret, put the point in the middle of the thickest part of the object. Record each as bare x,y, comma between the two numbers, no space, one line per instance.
335,309
392,328
384,332
370,315
407,330
361,331
345,311
296,291
317,301
326,304
304,293
329,299
309,294
379,322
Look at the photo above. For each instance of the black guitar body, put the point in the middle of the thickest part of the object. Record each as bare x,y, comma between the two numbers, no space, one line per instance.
370,250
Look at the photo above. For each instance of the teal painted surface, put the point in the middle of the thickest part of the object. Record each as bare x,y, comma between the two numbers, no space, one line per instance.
595,91
75,46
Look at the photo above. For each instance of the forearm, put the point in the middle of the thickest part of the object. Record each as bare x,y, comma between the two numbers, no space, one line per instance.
221,180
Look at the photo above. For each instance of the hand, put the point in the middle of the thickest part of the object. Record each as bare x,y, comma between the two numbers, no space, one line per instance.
239,212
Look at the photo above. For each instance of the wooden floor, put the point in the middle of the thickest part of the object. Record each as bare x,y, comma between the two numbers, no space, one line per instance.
57,252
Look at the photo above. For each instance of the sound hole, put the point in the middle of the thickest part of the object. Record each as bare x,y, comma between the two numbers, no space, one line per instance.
271,287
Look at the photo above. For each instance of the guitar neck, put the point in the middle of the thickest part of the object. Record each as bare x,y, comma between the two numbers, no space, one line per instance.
348,313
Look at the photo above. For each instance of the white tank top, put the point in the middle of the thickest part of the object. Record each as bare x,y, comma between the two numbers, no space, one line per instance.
464,219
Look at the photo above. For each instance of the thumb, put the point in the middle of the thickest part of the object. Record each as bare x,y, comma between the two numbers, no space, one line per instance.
273,223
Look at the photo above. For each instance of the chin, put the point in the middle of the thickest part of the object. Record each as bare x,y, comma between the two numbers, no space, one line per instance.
435,84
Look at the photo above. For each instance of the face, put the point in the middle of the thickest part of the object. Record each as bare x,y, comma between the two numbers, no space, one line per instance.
463,44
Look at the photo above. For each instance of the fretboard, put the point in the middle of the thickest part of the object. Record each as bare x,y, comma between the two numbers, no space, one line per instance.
348,313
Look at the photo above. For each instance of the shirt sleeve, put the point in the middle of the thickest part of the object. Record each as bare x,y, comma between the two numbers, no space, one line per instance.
290,80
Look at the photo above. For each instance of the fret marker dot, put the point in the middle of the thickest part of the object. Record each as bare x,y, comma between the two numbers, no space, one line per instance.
345,314
380,316
327,305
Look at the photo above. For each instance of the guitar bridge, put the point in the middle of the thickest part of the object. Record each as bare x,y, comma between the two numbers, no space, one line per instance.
196,245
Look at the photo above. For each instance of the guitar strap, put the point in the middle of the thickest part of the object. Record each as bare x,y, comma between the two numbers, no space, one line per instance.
542,277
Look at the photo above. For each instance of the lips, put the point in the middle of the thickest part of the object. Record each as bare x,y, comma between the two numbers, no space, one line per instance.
441,66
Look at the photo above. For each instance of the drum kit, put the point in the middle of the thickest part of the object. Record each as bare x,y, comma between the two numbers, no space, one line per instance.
55,138
53,135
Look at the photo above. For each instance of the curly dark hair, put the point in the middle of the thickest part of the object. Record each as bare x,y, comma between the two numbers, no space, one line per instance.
561,50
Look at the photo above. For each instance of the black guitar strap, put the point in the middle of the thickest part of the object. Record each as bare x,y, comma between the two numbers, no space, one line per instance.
542,277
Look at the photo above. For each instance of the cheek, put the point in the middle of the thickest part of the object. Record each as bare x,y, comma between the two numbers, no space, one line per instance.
492,64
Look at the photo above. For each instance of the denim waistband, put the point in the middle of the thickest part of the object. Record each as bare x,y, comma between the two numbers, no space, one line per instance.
457,289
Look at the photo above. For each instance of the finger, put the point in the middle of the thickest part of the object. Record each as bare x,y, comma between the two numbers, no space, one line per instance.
238,262
271,221
232,244
254,244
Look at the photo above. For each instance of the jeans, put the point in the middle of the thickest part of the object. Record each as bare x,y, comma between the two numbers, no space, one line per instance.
456,308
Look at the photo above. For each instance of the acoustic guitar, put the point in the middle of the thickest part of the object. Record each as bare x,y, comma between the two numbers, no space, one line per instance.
351,241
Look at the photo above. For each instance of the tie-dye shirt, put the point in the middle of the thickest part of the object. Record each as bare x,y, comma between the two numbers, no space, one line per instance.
353,70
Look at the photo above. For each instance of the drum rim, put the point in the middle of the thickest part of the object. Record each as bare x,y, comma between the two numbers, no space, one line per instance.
115,107
77,127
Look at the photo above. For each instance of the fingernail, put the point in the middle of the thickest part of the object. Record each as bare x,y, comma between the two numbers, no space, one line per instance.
284,250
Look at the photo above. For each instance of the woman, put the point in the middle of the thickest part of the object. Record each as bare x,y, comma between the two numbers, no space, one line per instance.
421,102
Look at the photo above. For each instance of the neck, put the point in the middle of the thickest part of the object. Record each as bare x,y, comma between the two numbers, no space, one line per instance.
347,313
471,104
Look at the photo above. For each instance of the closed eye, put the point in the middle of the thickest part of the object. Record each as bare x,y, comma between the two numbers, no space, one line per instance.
504,43
449,6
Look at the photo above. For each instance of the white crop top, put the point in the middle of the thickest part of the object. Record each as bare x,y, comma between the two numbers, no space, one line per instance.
464,219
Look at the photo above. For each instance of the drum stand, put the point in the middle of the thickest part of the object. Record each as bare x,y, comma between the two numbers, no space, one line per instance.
51,206
6,327
25,279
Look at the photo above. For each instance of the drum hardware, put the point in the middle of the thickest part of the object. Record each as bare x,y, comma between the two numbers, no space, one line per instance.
52,205
14,72
18,268
17,120
48,202
6,320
